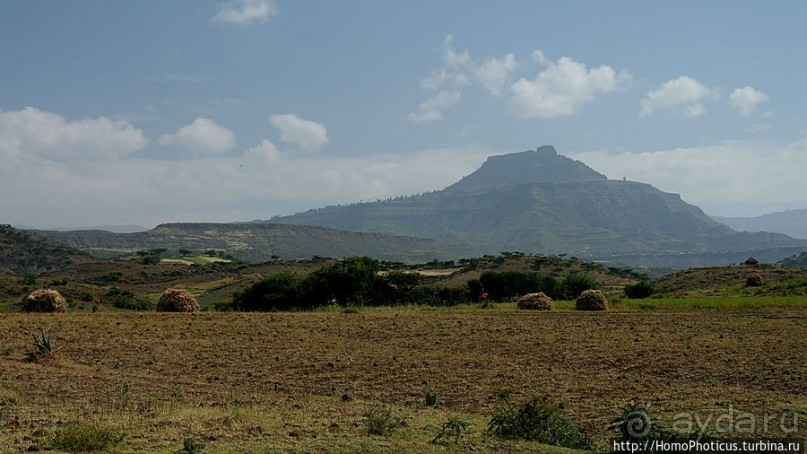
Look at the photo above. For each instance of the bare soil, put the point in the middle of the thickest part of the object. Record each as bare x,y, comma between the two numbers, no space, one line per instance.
679,362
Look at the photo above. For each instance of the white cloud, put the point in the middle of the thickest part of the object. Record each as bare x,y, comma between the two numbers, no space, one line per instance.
245,12
453,71
221,188
494,74
563,88
734,178
682,96
432,109
31,131
203,136
265,152
307,135
744,100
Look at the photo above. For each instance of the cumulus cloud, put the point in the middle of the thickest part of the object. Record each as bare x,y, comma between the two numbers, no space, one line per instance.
745,100
265,152
495,73
681,96
31,131
432,110
260,183
563,88
203,136
245,12
716,177
305,134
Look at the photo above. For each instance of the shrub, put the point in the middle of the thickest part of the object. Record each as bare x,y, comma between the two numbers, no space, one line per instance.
176,300
278,292
535,301
507,284
192,446
84,438
351,281
451,296
591,300
754,280
379,421
639,290
538,419
574,285
44,300
633,423
454,427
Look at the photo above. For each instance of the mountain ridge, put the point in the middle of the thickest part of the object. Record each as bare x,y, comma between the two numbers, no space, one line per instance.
542,202
789,222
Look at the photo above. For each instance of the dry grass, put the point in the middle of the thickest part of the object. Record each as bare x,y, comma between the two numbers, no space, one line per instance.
248,382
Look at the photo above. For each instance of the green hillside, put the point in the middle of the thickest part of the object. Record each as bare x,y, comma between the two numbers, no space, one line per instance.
25,252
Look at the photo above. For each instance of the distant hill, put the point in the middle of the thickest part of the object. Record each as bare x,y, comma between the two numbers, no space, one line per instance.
252,242
540,202
25,252
791,222
795,261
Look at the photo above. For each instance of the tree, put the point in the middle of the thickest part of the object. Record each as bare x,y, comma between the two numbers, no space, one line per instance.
278,292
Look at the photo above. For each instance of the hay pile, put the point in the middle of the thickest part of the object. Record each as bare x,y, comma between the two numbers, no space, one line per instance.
535,301
176,300
592,300
754,280
44,300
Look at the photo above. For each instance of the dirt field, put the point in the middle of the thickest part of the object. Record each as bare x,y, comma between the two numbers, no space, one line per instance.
117,366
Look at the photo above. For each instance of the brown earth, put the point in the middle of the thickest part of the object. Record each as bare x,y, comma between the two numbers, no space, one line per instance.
678,362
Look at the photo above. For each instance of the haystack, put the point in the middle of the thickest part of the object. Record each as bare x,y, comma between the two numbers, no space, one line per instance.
592,300
177,300
535,301
44,300
754,280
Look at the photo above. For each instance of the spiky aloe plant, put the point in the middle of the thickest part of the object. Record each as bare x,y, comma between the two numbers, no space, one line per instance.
45,344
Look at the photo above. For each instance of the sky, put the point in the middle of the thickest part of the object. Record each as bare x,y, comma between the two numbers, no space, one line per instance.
144,112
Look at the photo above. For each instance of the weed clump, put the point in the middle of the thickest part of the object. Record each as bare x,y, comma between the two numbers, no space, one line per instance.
591,300
754,280
535,301
538,419
380,421
84,438
176,300
44,300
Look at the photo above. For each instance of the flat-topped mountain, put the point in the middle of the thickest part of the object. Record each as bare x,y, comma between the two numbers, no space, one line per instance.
543,165
542,202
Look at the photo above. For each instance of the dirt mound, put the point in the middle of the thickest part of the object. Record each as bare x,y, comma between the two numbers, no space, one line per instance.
535,301
592,300
44,300
177,300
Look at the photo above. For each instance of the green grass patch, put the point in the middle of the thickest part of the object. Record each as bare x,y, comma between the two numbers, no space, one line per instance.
85,438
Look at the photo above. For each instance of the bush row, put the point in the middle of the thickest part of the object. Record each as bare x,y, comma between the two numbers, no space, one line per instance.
356,281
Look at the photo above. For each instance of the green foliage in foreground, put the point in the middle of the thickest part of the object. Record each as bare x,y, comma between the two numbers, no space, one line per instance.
356,281
538,419
85,438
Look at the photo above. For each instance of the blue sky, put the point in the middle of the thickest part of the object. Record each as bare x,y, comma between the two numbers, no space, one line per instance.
115,112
